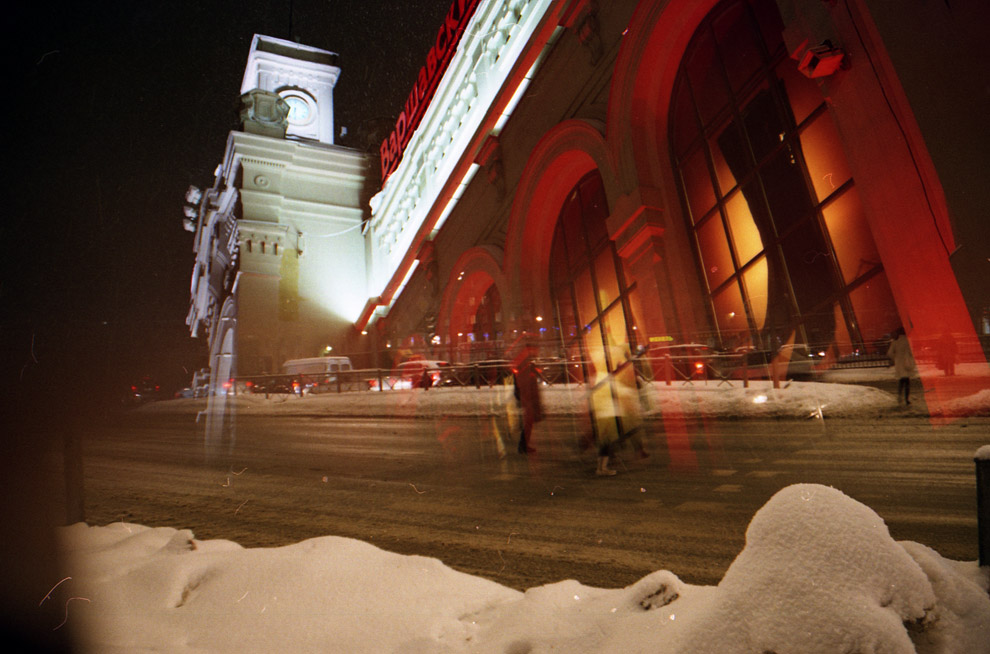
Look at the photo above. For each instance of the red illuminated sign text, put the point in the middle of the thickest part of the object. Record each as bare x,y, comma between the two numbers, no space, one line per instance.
437,60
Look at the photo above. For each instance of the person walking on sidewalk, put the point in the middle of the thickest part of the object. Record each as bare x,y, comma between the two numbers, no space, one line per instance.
899,353
527,392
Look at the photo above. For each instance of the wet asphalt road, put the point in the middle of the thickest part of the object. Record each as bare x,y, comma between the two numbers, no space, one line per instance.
457,490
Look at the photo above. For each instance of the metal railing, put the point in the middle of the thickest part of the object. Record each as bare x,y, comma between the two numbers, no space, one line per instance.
723,368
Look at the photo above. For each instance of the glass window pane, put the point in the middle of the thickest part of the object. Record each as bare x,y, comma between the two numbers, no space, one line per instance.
728,138
755,282
565,311
809,265
732,157
876,314
738,45
851,236
595,209
585,296
698,185
715,251
684,121
843,342
558,256
745,235
771,24
608,284
595,352
824,155
786,193
575,366
803,94
707,83
730,317
615,330
573,230
765,126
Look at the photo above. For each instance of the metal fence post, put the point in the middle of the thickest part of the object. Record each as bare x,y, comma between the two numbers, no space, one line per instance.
982,460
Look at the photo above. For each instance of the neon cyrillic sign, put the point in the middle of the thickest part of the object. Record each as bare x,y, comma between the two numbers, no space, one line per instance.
437,60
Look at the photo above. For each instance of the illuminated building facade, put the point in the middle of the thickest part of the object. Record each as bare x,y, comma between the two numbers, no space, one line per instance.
279,251
745,174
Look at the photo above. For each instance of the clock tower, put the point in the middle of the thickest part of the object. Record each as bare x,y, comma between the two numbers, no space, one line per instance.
302,76
280,268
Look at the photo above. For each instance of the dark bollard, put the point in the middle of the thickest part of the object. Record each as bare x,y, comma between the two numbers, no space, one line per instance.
983,503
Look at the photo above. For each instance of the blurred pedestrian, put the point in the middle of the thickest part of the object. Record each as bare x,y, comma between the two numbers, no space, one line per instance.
527,392
899,353
946,352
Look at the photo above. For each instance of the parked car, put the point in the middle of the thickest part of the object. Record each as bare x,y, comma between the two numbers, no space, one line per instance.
420,373
316,374
143,390
414,373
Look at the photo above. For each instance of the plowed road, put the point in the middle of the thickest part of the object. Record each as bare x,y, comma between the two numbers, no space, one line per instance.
448,489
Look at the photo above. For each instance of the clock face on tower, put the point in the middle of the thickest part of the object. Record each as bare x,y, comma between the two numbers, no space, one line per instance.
301,107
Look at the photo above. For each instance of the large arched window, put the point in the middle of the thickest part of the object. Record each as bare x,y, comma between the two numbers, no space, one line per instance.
779,232
591,296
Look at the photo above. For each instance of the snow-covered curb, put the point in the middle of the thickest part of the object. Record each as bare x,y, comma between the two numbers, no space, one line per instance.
760,400
819,574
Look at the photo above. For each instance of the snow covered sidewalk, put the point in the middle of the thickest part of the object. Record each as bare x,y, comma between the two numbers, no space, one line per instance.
819,574
709,399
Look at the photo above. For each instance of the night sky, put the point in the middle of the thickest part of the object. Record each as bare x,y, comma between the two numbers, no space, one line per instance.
119,107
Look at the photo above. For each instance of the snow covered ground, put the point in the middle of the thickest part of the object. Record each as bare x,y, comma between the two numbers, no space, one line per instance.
819,572
841,394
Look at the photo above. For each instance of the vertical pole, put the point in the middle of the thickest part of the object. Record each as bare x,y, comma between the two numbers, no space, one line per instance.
668,369
983,503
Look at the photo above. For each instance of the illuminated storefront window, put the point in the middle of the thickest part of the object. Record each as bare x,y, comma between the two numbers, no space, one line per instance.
779,232
591,295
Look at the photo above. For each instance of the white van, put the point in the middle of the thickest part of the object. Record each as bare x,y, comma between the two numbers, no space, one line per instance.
316,374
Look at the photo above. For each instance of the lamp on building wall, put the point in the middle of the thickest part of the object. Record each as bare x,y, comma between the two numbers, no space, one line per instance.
822,60
193,196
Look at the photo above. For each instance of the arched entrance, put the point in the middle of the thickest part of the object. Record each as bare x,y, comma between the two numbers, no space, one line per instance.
471,323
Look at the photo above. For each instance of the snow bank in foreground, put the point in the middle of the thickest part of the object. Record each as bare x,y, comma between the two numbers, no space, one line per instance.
819,573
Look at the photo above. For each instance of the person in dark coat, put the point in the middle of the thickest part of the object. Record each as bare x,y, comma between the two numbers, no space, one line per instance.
527,392
947,351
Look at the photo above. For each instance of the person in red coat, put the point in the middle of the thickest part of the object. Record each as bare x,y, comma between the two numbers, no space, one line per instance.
527,391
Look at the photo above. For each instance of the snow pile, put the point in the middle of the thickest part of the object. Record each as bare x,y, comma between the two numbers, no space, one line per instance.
760,400
977,404
819,573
